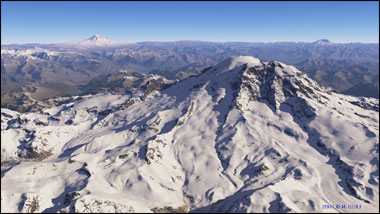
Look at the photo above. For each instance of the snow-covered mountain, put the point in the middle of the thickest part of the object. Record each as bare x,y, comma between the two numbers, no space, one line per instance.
242,136
94,41
323,42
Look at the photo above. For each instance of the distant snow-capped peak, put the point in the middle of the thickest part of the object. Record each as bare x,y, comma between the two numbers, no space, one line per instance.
98,38
95,40
323,42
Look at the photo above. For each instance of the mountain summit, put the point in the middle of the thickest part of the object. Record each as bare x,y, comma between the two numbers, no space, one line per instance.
94,41
98,40
242,136
97,37
322,42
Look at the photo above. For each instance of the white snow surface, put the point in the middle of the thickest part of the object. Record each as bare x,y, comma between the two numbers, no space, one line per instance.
28,52
243,136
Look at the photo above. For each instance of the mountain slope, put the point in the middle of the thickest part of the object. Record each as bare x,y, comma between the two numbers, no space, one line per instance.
363,90
242,136
341,74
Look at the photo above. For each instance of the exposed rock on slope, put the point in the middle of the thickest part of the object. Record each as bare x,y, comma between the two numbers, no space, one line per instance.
242,136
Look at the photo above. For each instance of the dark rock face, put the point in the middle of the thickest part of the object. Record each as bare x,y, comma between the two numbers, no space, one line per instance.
269,82
366,105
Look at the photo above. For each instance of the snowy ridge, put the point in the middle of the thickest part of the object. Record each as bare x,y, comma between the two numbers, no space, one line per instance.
243,136
32,53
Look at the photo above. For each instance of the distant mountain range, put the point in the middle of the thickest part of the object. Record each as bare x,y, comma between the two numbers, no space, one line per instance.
340,66
341,74
363,90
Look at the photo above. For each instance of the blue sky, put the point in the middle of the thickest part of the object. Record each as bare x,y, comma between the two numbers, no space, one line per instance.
55,22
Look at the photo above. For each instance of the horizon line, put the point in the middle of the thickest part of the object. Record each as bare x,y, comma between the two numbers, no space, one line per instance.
188,40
